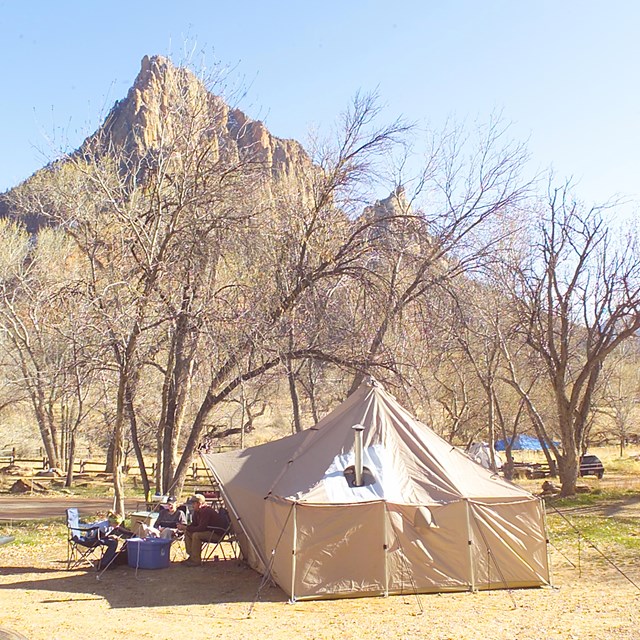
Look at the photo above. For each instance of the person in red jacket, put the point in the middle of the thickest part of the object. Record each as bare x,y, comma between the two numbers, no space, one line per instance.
206,524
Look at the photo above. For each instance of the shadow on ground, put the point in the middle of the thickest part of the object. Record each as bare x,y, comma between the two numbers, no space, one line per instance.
628,507
125,587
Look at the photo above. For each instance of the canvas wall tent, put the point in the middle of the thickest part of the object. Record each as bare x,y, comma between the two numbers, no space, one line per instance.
428,518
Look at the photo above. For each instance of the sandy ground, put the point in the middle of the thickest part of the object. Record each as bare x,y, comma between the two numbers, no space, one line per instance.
39,598
42,600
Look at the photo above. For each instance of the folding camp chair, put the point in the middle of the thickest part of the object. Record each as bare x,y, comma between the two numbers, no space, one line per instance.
221,542
178,551
84,545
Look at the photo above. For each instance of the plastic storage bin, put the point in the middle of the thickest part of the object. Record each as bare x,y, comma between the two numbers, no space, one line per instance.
148,553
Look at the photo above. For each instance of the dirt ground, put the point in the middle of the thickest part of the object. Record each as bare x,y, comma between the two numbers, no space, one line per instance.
36,507
590,598
40,599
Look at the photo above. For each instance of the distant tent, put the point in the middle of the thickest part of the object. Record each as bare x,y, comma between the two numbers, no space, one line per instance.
480,452
424,519
521,442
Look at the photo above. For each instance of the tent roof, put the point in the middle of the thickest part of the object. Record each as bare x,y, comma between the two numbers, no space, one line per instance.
410,463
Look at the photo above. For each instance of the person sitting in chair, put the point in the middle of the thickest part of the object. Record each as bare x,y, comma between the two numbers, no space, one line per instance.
166,526
111,539
205,519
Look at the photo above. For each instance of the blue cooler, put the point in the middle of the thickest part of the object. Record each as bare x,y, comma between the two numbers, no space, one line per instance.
148,553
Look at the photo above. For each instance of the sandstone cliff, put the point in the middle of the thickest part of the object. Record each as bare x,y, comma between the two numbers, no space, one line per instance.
163,104
154,107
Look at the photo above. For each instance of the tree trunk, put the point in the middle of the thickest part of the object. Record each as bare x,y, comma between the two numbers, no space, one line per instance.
295,399
133,425
508,467
118,447
492,430
47,440
544,440
108,466
568,471
376,343
70,459
175,398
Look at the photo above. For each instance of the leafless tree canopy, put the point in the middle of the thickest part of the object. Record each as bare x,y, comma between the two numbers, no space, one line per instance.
182,287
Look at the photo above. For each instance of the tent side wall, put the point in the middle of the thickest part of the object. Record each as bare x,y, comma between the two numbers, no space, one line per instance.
376,548
428,558
327,551
246,508
509,544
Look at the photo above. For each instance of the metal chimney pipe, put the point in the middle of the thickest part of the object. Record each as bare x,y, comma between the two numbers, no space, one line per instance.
357,446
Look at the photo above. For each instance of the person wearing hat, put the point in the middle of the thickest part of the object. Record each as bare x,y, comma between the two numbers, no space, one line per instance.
205,520
169,519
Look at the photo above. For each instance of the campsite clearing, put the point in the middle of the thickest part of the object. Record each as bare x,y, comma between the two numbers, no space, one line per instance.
43,601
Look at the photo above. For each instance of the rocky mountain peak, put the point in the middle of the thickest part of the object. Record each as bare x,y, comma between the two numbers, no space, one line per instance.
154,106
161,104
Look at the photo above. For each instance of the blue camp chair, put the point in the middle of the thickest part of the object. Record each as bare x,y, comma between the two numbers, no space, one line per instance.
84,544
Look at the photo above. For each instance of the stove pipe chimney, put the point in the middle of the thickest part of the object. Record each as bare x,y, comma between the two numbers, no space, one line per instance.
357,445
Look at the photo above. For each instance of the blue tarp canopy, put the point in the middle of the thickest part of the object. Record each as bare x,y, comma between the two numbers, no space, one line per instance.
521,442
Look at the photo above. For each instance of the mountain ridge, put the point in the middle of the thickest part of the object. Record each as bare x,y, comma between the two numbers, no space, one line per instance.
137,124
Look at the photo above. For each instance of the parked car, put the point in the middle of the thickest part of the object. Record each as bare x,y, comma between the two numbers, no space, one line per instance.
591,465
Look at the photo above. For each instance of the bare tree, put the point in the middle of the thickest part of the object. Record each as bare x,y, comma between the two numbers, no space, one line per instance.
40,317
470,188
306,246
577,297
617,402
195,258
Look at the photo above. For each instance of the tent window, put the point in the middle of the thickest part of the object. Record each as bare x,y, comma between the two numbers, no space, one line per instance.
367,477
423,519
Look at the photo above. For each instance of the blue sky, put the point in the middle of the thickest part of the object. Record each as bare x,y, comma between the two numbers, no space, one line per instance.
563,73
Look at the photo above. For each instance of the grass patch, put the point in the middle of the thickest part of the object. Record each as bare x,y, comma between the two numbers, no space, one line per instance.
623,466
580,519
593,498
608,534
34,533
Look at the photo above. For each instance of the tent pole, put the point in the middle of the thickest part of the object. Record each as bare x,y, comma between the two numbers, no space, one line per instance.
472,573
385,547
267,574
546,537
294,552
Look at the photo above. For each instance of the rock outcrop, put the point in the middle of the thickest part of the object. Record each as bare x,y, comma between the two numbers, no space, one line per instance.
167,104
163,96
395,204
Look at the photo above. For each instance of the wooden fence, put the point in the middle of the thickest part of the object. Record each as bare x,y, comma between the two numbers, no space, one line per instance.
95,467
